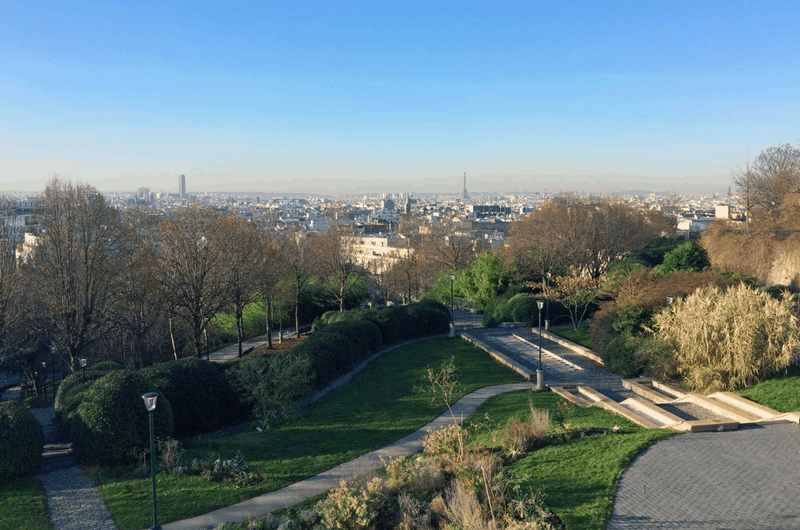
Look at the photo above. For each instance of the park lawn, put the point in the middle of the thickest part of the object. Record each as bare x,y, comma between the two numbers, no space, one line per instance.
23,506
380,405
582,336
781,393
578,477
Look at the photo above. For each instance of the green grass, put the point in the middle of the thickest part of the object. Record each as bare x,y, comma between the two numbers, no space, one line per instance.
582,336
578,477
379,406
781,393
23,506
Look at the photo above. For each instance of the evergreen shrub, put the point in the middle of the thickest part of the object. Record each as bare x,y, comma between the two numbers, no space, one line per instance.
21,442
112,422
70,390
202,399
619,356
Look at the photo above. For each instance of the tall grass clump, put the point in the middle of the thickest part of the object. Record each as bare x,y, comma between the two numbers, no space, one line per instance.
727,339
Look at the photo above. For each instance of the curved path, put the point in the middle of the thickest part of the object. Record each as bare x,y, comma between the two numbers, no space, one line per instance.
363,465
747,479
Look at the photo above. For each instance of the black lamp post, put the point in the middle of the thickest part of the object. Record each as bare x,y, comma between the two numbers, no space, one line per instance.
452,279
539,372
150,404
44,378
82,362
53,366
547,296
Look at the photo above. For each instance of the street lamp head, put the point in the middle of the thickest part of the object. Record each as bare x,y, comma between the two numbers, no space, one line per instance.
670,299
150,401
44,364
82,361
452,277
540,304
547,274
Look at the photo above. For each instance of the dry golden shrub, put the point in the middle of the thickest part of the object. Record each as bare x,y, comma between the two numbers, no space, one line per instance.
445,441
353,505
523,436
414,514
751,254
464,508
728,339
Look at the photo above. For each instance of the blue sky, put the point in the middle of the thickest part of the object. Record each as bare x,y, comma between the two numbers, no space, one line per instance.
377,96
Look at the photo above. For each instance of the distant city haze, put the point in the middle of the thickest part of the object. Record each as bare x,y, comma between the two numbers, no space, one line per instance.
381,97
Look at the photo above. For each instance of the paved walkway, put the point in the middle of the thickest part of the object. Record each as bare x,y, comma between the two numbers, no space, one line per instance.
362,466
745,479
72,500
231,351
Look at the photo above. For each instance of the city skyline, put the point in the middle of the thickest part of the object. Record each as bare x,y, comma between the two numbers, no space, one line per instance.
364,98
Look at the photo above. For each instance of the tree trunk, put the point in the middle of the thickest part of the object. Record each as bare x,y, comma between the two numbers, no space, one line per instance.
269,324
239,328
172,338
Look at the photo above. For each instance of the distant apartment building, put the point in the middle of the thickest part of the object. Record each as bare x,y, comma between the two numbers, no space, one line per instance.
379,252
488,210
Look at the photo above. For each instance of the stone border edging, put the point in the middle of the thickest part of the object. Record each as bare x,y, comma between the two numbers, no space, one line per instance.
499,356
577,348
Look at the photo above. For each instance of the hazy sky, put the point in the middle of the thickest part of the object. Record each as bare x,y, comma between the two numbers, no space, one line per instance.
394,96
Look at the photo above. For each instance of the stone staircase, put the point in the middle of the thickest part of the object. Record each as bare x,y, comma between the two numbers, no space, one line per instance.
654,405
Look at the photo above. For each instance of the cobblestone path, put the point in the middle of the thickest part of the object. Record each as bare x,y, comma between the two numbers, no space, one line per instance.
72,500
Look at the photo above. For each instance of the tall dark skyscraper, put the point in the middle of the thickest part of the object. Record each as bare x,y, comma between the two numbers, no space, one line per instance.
182,186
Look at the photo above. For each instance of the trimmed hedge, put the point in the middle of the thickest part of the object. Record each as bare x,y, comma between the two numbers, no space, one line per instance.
341,339
21,442
335,348
202,400
112,422
70,391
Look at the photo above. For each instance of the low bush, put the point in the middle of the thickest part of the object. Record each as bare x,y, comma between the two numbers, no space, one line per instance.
70,390
353,505
202,400
111,421
687,257
619,356
104,367
271,384
429,317
21,442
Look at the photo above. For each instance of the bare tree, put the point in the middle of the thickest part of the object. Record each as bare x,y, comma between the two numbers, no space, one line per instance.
11,301
746,183
138,306
242,268
574,237
777,173
302,268
74,268
339,265
449,246
194,254
274,270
